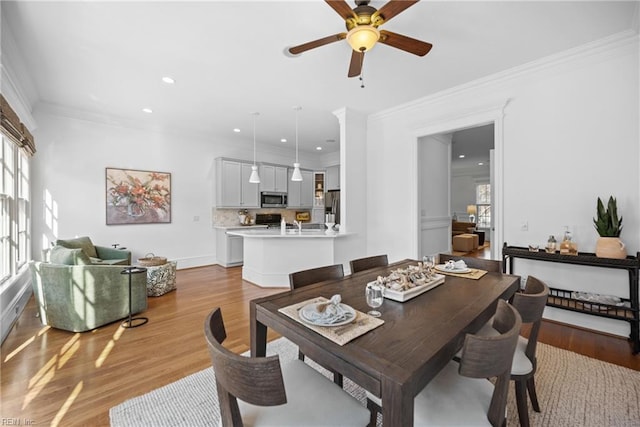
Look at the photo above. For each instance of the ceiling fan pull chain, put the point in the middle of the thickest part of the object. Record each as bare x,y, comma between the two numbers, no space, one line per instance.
361,77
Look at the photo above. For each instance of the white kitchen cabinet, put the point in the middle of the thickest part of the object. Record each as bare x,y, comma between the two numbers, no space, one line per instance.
273,178
300,194
233,187
317,216
229,249
332,178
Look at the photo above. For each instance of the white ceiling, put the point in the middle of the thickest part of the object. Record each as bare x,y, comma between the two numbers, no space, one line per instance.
106,59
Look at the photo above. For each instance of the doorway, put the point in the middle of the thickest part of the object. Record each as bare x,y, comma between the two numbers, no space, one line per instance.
455,165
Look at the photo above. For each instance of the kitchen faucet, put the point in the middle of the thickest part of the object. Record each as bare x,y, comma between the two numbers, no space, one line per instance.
298,224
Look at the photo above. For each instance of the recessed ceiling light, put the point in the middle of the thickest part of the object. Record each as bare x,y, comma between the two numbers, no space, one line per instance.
168,80
283,140
318,148
461,156
147,110
236,130
480,163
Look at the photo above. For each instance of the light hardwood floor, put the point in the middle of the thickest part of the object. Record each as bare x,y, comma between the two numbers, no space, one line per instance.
53,377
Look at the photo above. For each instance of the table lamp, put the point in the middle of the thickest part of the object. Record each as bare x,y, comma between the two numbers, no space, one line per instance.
471,210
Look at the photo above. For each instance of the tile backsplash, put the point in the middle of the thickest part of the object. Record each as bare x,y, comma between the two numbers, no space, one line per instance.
229,217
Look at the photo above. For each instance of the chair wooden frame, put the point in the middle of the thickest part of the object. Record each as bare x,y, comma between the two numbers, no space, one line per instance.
303,278
262,374
308,277
530,304
491,265
362,264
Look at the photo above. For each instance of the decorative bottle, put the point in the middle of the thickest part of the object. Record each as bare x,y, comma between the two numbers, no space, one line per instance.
568,247
551,245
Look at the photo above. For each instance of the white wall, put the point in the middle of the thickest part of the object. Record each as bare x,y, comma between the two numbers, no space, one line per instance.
569,134
70,167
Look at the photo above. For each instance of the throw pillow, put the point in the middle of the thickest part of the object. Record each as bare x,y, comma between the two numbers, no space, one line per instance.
83,243
66,256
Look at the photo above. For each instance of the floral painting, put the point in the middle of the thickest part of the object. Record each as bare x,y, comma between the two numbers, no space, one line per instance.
138,197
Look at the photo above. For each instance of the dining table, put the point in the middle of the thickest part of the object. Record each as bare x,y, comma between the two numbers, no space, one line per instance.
396,359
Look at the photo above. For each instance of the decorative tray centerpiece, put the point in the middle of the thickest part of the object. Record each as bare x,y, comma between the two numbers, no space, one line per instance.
406,283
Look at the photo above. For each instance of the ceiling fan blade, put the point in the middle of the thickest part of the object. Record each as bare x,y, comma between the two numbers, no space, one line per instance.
394,7
355,67
342,8
296,50
417,47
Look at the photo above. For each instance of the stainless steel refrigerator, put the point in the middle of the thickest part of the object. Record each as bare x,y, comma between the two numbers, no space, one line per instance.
332,204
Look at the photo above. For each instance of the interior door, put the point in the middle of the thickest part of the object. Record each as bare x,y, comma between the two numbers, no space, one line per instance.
492,229
434,175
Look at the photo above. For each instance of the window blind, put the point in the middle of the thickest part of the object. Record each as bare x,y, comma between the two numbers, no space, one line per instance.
14,129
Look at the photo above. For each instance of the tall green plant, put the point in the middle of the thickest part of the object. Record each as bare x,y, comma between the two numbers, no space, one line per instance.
607,224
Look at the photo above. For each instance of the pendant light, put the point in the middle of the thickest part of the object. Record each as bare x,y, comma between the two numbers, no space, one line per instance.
254,178
297,175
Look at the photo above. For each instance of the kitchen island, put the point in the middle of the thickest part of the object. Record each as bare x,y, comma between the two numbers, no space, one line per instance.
269,255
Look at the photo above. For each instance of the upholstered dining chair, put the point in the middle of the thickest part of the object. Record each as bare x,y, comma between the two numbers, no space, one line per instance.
362,264
491,265
260,391
461,394
303,278
530,304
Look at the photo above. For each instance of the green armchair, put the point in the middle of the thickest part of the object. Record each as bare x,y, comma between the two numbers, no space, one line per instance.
97,254
77,293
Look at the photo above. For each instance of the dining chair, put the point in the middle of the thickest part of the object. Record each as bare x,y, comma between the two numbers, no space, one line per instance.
490,265
461,394
260,391
530,304
362,264
303,278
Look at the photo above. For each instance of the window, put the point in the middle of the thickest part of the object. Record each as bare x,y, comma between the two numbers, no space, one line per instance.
15,226
483,202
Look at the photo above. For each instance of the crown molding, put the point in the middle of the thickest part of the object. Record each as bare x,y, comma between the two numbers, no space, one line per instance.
615,45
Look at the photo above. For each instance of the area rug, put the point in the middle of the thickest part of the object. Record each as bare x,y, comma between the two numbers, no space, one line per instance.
573,390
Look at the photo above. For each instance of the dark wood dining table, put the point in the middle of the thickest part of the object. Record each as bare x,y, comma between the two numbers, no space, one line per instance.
397,359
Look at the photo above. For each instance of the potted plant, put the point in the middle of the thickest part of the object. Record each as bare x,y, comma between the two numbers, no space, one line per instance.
609,227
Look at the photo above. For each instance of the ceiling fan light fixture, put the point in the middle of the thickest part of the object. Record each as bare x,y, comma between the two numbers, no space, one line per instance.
363,37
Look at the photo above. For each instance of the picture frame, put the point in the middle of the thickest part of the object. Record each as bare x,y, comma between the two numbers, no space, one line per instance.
137,196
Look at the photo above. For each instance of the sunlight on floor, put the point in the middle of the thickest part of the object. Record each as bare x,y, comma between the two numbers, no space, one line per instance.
26,343
107,348
67,404
48,371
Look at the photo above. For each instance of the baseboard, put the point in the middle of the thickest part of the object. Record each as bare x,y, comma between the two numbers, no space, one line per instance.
14,309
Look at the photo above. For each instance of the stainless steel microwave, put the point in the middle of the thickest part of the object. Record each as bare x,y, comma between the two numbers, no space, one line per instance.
273,200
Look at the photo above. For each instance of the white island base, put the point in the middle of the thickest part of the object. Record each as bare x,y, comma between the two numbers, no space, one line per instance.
269,256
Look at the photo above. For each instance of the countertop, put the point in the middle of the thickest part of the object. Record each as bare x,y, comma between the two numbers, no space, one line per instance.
291,233
239,227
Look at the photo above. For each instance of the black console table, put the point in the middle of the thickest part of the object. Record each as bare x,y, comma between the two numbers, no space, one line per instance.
139,320
562,298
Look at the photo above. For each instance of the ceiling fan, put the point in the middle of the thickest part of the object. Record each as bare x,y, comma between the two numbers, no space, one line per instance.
362,31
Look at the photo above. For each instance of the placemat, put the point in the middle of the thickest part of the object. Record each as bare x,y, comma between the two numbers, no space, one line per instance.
340,335
474,274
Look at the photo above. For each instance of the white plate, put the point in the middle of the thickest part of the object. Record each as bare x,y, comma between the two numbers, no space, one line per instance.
441,267
349,312
400,296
